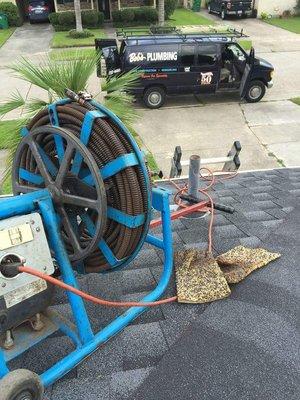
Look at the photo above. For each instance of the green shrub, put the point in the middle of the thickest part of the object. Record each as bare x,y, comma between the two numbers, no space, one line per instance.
151,15
127,15
297,8
53,18
12,12
264,15
80,35
66,19
145,14
170,7
92,18
117,16
138,15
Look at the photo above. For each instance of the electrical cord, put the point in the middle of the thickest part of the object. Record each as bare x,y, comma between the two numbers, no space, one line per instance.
89,297
109,303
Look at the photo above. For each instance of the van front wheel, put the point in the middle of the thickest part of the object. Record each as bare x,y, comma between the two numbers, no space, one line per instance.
154,97
255,91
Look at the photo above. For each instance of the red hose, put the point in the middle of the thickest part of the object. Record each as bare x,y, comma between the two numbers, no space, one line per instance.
108,303
91,298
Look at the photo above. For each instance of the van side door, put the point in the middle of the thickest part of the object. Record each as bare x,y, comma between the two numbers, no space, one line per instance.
187,72
247,73
208,68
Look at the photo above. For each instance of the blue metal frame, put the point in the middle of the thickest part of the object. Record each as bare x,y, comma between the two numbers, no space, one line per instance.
82,335
107,171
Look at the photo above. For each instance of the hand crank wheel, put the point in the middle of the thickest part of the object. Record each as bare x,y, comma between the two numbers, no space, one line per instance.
51,157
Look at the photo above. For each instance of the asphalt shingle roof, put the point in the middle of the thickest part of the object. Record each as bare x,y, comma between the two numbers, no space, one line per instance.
244,347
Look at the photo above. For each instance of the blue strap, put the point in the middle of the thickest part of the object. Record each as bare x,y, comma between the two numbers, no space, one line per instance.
108,254
62,102
49,164
57,138
53,115
30,176
24,131
131,221
87,125
85,134
113,167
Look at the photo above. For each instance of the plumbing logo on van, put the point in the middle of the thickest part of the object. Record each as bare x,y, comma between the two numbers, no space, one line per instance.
206,78
156,56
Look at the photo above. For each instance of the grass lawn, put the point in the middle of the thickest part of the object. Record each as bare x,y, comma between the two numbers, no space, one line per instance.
71,54
5,34
182,16
61,39
5,131
291,24
5,128
246,44
296,100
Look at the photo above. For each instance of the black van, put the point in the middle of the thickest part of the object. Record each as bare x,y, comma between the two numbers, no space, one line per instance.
183,64
239,8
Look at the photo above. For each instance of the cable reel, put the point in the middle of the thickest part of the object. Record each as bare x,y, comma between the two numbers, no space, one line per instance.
98,179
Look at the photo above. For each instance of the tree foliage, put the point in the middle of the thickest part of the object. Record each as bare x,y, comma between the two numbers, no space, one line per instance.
54,77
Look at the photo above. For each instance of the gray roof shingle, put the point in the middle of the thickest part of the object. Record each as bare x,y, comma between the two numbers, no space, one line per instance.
243,347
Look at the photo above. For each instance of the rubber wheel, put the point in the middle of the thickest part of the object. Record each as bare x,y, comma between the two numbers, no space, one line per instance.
21,384
154,97
255,91
223,15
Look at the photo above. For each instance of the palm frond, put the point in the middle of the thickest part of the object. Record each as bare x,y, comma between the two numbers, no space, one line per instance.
33,106
11,143
14,102
54,76
121,104
122,82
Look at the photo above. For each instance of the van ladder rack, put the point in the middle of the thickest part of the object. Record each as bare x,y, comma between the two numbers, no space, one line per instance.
155,31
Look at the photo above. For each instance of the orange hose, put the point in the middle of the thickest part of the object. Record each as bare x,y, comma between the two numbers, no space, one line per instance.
89,297
109,303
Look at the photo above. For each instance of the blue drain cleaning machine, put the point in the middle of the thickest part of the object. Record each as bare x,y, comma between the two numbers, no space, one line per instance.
82,203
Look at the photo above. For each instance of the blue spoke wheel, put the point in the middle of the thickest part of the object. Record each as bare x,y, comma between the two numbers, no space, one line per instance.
38,164
120,165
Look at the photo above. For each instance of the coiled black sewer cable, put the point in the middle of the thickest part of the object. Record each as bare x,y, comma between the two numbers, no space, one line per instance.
126,191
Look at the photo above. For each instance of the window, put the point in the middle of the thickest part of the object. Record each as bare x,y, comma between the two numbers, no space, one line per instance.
207,55
187,55
237,52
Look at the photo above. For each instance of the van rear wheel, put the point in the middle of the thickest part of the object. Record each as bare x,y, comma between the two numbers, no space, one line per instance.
154,97
255,91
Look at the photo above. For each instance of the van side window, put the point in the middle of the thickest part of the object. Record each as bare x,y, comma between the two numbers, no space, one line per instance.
207,55
187,55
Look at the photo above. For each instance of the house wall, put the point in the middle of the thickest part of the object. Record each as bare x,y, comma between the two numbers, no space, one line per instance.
275,7
129,3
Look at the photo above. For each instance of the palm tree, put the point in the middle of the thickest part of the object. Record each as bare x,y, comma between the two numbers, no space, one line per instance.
54,77
161,12
78,18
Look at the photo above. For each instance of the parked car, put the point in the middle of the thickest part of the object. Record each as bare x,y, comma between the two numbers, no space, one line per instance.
38,11
183,64
240,8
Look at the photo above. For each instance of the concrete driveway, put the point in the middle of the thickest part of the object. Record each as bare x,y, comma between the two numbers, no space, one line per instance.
31,41
27,40
269,131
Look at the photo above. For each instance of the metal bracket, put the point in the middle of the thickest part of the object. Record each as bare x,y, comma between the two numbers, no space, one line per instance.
231,161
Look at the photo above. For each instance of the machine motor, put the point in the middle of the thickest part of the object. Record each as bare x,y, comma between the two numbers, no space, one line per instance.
23,242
